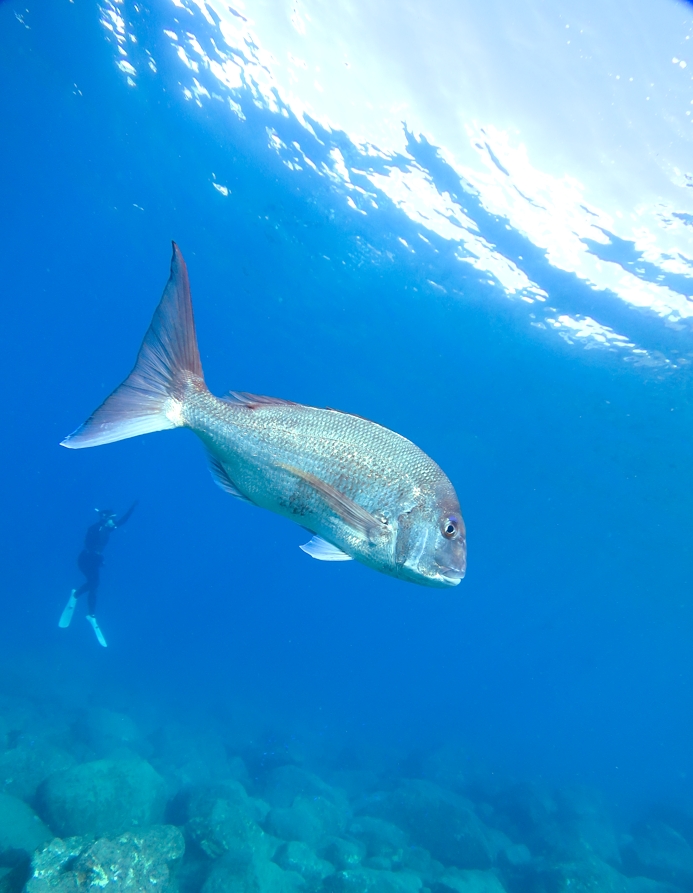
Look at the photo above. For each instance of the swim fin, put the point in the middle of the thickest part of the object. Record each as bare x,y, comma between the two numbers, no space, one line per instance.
97,630
66,616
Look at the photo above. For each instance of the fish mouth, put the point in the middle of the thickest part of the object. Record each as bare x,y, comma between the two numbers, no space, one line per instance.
451,576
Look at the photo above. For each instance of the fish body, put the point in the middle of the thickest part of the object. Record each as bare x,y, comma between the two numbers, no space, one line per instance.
364,491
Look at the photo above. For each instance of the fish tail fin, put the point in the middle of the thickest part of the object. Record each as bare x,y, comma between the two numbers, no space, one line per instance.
168,366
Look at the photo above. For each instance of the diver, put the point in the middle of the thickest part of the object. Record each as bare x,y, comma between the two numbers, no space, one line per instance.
89,562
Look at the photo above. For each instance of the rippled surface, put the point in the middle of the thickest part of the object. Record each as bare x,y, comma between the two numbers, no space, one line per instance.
548,156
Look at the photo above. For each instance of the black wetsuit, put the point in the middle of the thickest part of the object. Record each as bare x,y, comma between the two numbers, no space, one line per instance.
91,558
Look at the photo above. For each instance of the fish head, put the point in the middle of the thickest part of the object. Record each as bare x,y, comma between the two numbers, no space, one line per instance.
431,544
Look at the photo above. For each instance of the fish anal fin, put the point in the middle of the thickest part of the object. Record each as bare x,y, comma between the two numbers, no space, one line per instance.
319,548
221,477
354,515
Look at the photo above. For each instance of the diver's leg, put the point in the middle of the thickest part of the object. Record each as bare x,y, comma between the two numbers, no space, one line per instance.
85,564
91,600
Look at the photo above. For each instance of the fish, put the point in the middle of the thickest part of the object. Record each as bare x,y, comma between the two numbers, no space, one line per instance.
363,492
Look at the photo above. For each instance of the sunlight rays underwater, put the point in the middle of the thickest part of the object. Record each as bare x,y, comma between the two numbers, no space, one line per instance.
573,197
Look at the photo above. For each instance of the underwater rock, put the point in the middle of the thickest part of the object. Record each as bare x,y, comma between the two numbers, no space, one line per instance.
369,880
17,714
193,758
305,808
24,767
285,783
356,782
459,880
448,767
343,853
589,875
192,872
647,885
130,863
298,857
49,866
677,817
382,838
103,798
586,826
419,860
512,856
529,813
106,732
311,819
381,863
454,768
238,771
12,880
564,825
223,818
657,851
21,830
439,820
268,751
235,794
257,875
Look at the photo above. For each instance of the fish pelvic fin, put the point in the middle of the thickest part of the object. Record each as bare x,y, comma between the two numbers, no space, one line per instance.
319,548
168,366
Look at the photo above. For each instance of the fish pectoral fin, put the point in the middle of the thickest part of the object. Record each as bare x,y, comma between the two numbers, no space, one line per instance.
354,515
222,478
324,551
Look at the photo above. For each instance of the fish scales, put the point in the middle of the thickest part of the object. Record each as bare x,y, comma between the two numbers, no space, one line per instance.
342,449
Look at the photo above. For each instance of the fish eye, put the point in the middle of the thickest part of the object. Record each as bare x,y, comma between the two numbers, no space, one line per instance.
450,527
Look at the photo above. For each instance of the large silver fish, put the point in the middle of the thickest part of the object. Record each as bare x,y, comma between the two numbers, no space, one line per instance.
362,490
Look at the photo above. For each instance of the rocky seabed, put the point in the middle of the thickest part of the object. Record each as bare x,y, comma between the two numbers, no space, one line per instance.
91,801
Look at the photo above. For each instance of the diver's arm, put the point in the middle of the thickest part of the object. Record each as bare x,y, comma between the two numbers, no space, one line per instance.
126,516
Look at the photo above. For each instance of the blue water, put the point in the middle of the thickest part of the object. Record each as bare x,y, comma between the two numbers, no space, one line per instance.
565,655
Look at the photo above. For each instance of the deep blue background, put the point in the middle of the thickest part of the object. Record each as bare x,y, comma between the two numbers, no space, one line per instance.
565,653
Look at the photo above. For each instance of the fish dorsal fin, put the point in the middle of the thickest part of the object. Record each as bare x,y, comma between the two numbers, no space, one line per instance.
222,478
354,515
251,400
354,414
324,551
